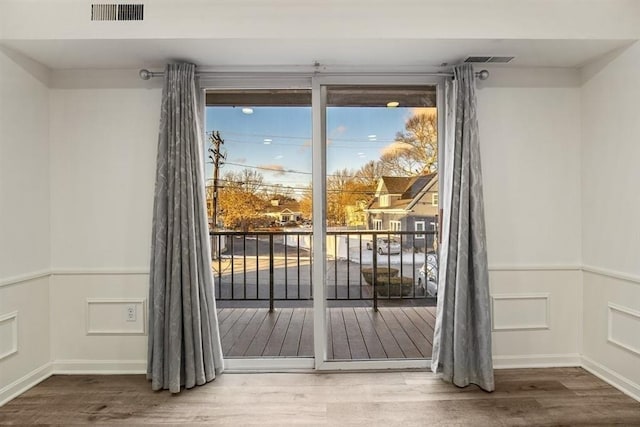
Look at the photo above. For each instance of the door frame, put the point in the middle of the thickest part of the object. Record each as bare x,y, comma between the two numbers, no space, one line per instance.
319,174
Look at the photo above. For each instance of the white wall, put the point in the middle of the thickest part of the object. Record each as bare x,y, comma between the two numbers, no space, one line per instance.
530,147
103,145
103,154
24,220
530,144
610,213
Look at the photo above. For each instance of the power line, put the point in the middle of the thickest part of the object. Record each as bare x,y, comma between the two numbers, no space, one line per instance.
268,169
260,186
380,144
286,170
306,138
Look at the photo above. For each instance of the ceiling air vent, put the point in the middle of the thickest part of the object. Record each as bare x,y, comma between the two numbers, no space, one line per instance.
489,59
117,12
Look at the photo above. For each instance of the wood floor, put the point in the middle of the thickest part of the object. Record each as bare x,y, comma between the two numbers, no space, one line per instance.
540,397
354,332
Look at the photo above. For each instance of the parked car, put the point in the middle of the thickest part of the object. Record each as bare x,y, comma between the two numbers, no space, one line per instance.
385,246
428,275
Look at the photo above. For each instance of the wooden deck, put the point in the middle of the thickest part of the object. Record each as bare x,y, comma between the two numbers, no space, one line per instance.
354,332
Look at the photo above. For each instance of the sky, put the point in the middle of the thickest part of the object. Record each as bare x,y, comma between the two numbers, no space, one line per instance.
276,141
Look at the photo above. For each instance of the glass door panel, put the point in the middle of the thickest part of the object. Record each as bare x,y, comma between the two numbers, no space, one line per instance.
259,208
382,216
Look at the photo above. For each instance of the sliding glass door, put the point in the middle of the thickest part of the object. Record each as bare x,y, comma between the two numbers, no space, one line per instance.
323,207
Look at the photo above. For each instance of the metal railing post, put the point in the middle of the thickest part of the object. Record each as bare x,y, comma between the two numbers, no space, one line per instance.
271,274
375,271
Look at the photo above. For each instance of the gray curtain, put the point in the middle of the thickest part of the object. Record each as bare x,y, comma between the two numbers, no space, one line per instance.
462,336
184,341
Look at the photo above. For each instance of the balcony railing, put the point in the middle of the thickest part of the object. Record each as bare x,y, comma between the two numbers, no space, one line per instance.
362,267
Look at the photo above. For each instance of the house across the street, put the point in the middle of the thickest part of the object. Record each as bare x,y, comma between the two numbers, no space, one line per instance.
283,213
406,203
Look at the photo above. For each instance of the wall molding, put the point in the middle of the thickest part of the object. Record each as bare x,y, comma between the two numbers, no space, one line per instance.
13,316
28,277
570,360
134,271
99,367
23,384
612,274
611,377
100,271
24,278
522,296
611,307
535,267
77,271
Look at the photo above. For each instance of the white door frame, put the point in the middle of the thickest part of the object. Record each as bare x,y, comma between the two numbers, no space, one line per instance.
320,318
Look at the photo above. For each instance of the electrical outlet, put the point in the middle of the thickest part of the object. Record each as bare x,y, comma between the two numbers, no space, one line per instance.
131,313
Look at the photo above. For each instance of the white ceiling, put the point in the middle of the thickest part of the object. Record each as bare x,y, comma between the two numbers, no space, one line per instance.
114,54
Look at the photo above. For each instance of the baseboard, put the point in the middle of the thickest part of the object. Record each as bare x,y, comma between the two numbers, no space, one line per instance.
626,386
99,367
23,384
537,361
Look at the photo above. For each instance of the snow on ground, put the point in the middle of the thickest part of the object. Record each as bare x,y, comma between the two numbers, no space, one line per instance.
365,257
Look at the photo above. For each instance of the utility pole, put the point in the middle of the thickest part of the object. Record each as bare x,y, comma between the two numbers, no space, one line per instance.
215,154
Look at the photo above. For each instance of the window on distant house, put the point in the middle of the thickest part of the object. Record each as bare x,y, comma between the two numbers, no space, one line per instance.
384,201
377,224
395,225
434,199
419,226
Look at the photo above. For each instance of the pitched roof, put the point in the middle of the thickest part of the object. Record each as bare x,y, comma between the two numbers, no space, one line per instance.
409,187
396,184
290,206
417,184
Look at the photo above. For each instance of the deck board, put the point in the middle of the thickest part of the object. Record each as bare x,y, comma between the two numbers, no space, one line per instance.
293,336
409,349
339,338
388,341
419,340
240,347
357,346
259,341
276,339
353,332
305,349
370,336
237,330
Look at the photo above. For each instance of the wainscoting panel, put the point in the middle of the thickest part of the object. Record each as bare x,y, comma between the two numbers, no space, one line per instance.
624,327
515,312
116,316
611,338
24,333
536,316
89,316
8,334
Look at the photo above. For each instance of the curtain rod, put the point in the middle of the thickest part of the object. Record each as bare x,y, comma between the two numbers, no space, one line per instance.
146,74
